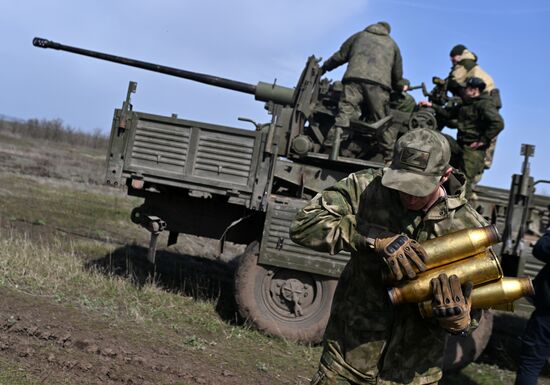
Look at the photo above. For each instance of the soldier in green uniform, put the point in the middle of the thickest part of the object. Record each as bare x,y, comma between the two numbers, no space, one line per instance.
375,68
464,66
378,215
478,122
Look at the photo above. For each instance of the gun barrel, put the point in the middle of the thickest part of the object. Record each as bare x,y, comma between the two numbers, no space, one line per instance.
198,77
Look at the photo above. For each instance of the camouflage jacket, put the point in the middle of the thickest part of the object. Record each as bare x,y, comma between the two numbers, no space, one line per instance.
477,119
467,67
367,338
372,55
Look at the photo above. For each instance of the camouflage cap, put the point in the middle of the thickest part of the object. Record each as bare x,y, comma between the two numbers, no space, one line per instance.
421,157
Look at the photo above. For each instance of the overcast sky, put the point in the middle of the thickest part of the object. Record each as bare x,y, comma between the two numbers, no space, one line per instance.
257,40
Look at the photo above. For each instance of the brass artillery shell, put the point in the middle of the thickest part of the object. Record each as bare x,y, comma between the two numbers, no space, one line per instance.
480,268
494,295
454,247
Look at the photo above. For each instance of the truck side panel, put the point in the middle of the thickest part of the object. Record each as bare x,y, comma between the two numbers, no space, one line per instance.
277,248
185,154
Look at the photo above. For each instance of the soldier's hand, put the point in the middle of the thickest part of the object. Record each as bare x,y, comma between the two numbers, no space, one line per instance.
476,145
451,303
425,103
404,256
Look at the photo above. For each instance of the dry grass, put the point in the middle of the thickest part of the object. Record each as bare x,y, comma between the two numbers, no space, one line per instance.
53,130
53,269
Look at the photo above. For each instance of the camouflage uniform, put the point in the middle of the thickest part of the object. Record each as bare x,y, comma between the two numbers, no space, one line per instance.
466,68
375,67
477,120
367,340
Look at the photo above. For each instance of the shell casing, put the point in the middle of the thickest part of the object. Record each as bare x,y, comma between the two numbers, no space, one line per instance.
459,245
480,268
498,295
455,246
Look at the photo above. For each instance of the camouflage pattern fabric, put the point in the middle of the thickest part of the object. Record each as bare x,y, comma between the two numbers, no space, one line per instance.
367,340
477,120
373,100
467,67
421,157
373,56
386,140
471,162
461,71
490,154
402,101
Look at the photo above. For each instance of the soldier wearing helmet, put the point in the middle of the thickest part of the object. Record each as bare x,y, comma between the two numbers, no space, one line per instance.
478,123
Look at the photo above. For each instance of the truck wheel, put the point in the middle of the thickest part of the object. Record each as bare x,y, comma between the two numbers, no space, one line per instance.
463,350
283,302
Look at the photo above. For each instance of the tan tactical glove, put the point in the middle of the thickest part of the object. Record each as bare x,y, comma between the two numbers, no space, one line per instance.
451,303
401,253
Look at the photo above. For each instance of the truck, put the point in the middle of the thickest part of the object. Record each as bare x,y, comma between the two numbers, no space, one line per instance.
245,186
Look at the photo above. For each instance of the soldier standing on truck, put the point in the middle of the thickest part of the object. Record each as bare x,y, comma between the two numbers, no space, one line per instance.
375,68
478,122
379,216
535,347
465,66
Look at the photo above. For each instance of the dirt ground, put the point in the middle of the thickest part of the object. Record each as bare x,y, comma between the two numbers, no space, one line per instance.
61,345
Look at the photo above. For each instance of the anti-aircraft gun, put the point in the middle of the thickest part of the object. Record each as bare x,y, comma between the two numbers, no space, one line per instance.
246,186
305,113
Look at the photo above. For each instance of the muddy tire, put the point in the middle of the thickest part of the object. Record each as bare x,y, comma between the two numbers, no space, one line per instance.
287,303
463,350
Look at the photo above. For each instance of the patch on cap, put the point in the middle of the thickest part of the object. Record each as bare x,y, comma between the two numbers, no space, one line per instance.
421,157
415,158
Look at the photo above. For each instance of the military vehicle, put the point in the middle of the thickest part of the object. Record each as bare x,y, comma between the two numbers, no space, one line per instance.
245,186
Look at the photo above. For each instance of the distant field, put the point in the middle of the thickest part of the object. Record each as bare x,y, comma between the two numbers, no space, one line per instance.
81,305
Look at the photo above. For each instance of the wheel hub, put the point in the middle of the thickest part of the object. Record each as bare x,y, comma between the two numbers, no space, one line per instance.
291,297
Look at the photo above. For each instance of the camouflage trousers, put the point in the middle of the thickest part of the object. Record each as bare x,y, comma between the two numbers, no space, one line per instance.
371,101
490,154
473,164
320,378
362,99
333,370
469,161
